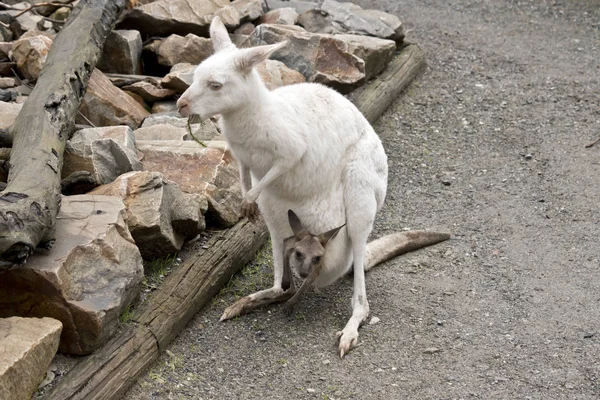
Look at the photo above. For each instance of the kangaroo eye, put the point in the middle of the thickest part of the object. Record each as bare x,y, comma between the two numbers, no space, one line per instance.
299,255
215,85
316,259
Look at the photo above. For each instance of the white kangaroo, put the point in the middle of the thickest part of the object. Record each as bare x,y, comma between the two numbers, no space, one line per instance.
304,148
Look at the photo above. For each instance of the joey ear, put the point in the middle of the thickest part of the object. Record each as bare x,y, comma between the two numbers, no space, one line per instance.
295,223
324,238
218,34
252,56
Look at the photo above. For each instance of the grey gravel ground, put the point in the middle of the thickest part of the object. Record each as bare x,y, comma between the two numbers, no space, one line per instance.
488,144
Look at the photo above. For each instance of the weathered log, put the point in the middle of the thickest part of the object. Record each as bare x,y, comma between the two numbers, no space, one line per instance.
31,201
110,371
375,97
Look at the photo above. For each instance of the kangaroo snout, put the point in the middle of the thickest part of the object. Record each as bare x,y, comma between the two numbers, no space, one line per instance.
183,106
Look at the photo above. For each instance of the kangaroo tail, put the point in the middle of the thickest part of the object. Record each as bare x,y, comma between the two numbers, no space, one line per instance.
395,244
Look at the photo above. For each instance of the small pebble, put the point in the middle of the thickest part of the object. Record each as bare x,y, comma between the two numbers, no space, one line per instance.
431,350
528,156
446,182
326,362
309,390
374,321
588,335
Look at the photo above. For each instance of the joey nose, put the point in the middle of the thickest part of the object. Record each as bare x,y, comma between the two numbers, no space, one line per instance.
183,106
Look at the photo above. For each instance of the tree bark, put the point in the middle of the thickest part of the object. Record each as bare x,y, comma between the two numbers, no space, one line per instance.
31,201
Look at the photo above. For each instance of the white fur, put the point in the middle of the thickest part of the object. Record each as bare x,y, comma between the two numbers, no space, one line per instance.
302,147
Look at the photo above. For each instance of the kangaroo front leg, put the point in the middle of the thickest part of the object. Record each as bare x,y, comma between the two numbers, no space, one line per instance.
248,210
275,172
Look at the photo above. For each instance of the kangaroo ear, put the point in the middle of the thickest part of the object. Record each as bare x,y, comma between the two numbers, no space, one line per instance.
252,56
324,238
218,34
295,223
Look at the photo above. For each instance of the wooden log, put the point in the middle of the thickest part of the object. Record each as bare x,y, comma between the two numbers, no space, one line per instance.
110,371
375,97
31,201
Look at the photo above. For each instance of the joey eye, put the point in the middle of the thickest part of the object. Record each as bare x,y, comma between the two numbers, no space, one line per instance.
299,255
316,259
215,85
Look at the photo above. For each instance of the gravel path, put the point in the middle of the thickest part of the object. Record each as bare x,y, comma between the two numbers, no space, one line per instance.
488,144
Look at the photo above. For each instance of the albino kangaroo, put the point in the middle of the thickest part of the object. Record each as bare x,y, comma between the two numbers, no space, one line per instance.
302,147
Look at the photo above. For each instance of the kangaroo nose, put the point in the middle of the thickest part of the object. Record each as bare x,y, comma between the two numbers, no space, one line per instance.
183,106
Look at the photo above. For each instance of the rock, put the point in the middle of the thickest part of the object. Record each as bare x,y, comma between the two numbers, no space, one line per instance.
319,22
61,14
431,350
375,52
275,74
122,52
374,321
85,281
159,215
137,98
320,58
179,49
7,83
245,29
30,54
149,91
350,18
27,347
104,152
180,78
23,23
172,126
164,107
249,10
281,16
8,113
104,104
208,171
163,17
299,6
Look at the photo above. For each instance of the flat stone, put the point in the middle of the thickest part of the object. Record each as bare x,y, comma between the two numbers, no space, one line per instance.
159,216
104,104
104,152
8,113
375,52
245,29
163,17
350,18
171,126
181,49
85,281
249,10
320,58
179,78
30,54
7,83
27,346
276,74
281,16
122,53
149,91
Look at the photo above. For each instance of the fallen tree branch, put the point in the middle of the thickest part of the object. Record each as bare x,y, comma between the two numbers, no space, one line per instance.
587,146
31,201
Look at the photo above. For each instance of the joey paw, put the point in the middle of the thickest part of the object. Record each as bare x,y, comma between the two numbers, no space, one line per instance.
347,341
250,210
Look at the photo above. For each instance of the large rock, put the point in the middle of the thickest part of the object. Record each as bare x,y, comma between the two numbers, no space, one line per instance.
27,346
299,6
179,78
122,53
320,58
163,17
88,278
30,54
8,113
275,74
149,91
104,104
104,152
336,17
202,170
164,106
171,126
375,52
181,49
159,216
281,16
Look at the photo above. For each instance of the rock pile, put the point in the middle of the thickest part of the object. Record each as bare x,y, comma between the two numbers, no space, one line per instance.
139,180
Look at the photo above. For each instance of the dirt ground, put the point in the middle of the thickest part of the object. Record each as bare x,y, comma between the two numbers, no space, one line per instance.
489,144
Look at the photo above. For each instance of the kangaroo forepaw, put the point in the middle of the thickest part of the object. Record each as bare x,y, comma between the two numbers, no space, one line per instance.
250,210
